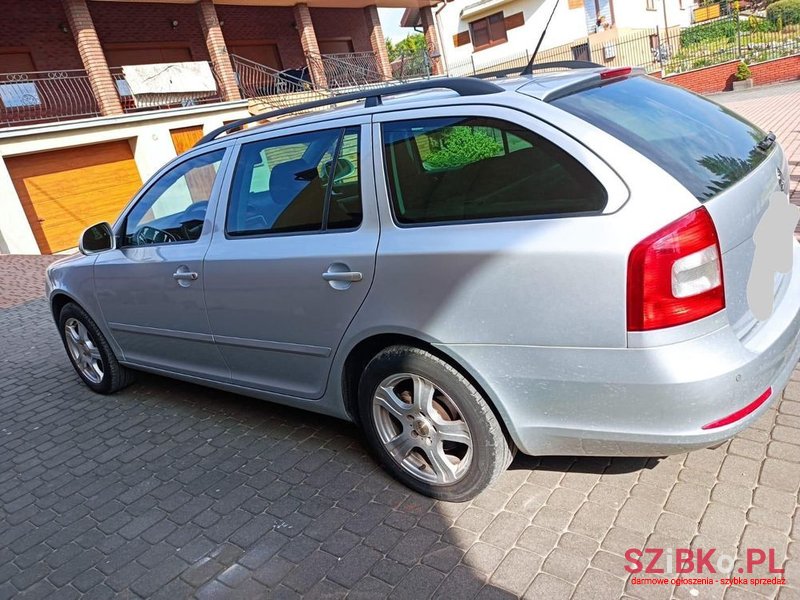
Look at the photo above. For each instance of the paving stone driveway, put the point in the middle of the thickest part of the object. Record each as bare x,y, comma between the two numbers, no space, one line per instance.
171,490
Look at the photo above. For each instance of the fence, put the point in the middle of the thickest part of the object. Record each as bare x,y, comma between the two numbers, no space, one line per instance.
675,50
347,70
412,65
45,96
277,89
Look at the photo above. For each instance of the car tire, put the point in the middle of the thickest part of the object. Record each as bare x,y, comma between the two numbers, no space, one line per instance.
429,427
90,353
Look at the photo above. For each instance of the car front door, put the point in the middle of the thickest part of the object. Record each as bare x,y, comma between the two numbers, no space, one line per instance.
150,288
293,255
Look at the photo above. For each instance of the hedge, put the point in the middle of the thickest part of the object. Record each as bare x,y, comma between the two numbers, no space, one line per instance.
784,12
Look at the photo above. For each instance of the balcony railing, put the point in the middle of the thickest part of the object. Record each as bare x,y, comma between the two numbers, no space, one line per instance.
346,70
45,96
131,103
277,89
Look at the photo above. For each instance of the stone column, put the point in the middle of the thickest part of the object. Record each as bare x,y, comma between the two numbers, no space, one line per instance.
431,39
378,41
217,50
94,61
308,39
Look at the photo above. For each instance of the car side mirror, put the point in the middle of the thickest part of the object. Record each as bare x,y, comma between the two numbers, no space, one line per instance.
97,238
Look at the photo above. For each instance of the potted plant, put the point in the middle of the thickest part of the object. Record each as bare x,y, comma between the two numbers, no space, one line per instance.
743,78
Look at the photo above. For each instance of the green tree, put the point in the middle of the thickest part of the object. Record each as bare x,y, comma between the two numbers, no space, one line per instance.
409,46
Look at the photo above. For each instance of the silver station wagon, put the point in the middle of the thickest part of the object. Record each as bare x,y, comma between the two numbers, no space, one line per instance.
573,263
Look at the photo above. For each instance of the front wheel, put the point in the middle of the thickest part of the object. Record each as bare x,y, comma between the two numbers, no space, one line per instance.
90,353
429,426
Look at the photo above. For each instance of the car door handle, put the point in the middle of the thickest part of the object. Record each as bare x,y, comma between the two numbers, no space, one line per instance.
184,276
349,276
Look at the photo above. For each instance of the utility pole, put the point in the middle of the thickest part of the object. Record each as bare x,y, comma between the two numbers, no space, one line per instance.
666,22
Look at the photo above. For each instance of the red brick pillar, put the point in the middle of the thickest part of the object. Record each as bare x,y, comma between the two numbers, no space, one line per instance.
217,50
431,39
378,41
94,61
308,39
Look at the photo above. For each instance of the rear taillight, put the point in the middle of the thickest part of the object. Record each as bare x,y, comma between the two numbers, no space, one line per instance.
675,275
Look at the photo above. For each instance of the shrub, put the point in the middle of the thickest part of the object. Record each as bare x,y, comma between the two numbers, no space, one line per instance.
462,146
742,72
784,12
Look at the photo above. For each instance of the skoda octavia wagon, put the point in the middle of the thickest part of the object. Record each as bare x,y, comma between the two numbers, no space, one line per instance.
574,263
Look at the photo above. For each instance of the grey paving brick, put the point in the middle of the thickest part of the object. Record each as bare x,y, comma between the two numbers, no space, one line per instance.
483,557
167,490
420,583
516,571
462,582
547,586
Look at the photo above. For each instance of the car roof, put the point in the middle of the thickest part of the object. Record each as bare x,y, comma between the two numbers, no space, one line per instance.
539,86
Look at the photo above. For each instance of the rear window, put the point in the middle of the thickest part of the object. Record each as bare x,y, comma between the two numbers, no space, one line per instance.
703,145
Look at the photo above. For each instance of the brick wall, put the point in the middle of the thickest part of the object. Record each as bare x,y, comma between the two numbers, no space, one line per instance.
123,22
342,22
33,25
719,78
263,23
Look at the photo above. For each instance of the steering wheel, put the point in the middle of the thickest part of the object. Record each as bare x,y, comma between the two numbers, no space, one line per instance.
150,235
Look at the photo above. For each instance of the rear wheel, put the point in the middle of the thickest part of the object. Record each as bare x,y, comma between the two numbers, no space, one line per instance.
90,353
429,426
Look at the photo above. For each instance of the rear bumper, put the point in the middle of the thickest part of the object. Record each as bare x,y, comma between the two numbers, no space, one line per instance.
638,401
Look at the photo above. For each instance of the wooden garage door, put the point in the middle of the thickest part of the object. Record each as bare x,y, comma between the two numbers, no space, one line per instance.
185,138
65,191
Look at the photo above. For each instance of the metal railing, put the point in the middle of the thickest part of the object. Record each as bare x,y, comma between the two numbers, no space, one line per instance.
736,37
45,96
160,101
347,70
412,65
750,39
275,88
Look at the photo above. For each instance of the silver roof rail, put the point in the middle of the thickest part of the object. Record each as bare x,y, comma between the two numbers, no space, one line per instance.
464,86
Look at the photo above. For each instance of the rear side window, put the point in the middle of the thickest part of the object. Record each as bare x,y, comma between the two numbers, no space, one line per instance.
299,183
703,145
474,168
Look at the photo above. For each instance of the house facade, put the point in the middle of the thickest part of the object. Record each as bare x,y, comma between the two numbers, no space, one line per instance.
76,140
476,34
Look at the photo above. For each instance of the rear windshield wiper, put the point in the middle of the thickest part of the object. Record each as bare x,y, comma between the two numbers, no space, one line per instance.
767,142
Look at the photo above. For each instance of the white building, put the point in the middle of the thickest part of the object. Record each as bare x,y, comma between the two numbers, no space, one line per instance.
478,34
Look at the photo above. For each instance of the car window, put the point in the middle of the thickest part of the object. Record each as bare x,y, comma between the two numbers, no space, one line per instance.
702,144
174,208
284,185
474,168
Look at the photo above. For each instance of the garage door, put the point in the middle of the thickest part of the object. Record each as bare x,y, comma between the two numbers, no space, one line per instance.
185,138
65,191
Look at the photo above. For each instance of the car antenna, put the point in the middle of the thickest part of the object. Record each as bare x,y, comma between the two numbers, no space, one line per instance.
529,69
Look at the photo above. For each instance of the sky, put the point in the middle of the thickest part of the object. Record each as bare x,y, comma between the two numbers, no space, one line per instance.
390,20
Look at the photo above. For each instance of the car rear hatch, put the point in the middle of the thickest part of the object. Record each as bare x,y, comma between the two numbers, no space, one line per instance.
731,166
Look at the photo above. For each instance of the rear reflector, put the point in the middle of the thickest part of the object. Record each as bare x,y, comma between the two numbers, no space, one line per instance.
742,413
675,275
611,73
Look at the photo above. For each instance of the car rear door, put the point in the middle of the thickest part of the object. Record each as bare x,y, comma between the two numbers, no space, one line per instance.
293,255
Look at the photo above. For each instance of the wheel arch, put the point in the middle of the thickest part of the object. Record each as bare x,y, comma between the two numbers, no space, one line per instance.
363,351
58,301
